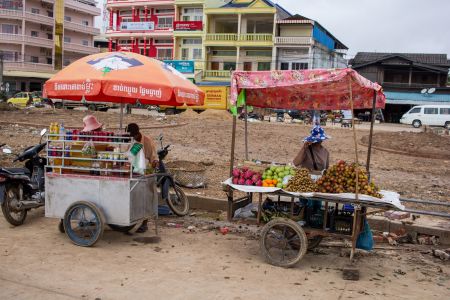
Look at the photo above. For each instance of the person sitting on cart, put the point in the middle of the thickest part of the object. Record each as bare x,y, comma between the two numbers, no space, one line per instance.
90,123
150,154
314,157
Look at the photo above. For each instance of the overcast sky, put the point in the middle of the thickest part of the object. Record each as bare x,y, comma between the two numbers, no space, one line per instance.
381,25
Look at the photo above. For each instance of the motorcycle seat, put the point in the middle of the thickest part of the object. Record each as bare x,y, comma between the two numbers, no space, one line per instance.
16,171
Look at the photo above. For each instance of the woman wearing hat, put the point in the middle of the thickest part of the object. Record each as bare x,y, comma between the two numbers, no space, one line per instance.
313,155
91,124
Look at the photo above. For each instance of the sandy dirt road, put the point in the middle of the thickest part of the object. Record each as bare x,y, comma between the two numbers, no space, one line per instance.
37,262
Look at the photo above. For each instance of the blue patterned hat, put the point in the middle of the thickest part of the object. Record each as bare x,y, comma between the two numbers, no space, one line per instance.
317,135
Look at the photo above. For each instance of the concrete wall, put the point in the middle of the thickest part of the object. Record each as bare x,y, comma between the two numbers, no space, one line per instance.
78,17
78,37
295,30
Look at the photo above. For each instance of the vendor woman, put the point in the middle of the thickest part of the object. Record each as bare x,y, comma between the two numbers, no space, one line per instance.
313,155
150,155
90,123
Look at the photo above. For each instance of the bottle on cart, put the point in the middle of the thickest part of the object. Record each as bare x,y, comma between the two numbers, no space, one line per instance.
62,131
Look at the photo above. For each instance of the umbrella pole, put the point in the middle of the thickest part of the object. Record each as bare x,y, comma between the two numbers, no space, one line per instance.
230,191
356,217
121,117
372,121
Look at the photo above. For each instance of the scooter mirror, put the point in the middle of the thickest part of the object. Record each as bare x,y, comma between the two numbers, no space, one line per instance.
7,151
43,131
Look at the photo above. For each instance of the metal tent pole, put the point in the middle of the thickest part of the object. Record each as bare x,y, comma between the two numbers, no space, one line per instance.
372,122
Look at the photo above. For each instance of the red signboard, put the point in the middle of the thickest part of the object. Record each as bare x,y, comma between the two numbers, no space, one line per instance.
188,25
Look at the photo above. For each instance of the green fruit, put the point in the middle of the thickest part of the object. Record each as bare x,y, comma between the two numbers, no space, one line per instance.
280,169
273,168
269,172
264,176
284,186
279,185
292,172
287,168
269,177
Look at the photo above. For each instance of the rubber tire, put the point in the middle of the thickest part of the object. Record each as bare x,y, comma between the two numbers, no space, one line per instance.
103,109
96,211
92,107
7,215
314,242
297,228
182,195
417,124
58,105
61,226
123,229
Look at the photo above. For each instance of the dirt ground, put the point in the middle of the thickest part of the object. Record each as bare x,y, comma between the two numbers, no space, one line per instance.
207,137
38,262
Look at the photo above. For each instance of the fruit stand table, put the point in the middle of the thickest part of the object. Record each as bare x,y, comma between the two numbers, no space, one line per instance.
336,89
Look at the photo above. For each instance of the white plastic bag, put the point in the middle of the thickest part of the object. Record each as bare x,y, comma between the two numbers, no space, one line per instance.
138,161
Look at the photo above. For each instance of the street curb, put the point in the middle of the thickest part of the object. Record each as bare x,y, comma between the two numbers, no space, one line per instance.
376,223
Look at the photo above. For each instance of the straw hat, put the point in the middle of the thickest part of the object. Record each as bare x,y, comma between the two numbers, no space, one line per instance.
90,123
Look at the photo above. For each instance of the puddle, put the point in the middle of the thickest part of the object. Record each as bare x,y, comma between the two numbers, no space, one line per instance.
148,240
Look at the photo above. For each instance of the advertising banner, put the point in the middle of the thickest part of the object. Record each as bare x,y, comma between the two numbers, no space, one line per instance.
188,25
136,26
182,66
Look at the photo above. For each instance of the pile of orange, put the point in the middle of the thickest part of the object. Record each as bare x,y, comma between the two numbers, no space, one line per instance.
270,183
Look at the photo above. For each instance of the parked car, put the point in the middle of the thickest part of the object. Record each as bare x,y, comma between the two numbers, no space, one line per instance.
431,115
93,106
21,99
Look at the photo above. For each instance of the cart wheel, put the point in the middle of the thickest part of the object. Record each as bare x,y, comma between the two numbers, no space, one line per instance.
84,223
177,200
123,229
283,242
314,242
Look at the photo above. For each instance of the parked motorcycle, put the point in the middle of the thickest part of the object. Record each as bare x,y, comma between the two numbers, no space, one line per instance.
171,192
22,189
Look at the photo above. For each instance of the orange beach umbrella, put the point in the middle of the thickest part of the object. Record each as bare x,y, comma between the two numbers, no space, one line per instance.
123,77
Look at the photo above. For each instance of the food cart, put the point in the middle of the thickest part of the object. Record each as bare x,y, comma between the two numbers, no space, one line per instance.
88,189
340,89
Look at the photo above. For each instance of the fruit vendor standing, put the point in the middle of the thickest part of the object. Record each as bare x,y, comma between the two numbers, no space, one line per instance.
313,155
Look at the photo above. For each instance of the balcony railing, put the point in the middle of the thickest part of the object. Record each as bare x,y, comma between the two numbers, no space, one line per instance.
256,37
27,66
72,4
222,37
38,18
11,13
81,28
298,40
31,41
217,74
80,48
233,37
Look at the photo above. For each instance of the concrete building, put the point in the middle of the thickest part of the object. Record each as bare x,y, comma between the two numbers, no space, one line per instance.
408,79
140,26
302,43
39,37
222,35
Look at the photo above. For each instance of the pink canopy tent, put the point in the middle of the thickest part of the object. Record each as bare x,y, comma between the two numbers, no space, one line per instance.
335,89
307,89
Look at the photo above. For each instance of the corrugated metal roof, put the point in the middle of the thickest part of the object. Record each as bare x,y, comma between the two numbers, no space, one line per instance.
431,59
416,98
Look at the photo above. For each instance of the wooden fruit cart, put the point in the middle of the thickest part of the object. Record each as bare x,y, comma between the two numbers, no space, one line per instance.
340,89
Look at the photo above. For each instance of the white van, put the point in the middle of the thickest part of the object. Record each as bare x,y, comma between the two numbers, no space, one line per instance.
431,115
